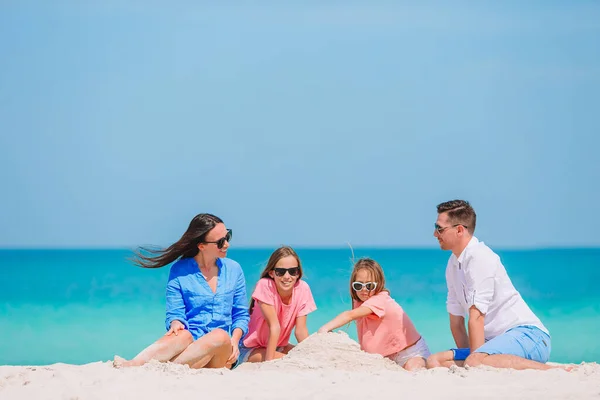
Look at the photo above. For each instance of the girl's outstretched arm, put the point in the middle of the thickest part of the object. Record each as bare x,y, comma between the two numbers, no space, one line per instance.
274,329
301,330
344,318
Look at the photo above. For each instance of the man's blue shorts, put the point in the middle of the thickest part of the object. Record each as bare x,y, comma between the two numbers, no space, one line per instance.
527,341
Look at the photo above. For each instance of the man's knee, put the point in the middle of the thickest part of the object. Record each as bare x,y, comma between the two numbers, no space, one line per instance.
475,359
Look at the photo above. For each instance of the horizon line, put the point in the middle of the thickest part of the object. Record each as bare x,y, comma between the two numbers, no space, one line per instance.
265,247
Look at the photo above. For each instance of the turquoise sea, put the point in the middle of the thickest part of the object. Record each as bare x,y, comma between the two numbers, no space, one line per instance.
80,306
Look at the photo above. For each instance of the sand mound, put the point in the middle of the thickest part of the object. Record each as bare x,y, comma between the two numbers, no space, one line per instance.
327,351
325,367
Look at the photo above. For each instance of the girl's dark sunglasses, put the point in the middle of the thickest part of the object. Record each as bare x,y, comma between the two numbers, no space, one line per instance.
292,271
221,242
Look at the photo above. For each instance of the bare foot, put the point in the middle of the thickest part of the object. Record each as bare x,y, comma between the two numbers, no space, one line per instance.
119,362
564,367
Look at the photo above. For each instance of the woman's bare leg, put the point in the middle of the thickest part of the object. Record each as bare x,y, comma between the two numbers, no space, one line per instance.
164,349
210,351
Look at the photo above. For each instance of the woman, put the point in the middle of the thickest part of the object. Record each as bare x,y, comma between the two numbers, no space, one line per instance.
206,299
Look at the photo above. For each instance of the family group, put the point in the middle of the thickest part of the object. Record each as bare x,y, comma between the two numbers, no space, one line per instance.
210,324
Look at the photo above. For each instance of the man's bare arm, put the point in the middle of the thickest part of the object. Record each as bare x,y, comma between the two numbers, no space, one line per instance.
459,332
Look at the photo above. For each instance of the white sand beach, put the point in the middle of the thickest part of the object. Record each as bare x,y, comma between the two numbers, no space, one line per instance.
329,366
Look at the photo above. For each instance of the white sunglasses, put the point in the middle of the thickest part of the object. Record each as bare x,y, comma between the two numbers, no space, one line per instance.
358,286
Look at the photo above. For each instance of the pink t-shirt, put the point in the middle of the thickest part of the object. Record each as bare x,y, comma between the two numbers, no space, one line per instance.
388,330
301,304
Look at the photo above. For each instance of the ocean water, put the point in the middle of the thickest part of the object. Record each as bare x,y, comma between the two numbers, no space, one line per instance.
80,306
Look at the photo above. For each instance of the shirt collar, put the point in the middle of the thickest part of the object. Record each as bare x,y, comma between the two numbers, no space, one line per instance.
471,243
219,263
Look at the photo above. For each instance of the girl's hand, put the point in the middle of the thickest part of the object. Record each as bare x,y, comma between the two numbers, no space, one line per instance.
176,326
345,318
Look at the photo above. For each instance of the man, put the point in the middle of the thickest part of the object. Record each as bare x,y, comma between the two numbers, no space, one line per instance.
503,332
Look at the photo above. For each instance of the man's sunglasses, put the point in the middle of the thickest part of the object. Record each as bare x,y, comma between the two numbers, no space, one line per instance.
441,229
221,242
295,271
358,286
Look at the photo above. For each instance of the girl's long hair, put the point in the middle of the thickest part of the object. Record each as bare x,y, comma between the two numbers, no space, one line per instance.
282,252
376,272
185,247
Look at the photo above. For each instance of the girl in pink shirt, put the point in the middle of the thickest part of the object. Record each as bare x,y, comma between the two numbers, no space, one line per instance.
383,326
280,303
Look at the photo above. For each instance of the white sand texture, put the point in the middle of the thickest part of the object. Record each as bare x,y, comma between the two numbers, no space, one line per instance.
324,366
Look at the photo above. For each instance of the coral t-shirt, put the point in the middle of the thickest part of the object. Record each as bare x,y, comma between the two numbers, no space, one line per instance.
301,304
388,330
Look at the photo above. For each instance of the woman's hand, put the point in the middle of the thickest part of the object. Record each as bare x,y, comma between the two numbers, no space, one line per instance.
176,326
235,351
323,329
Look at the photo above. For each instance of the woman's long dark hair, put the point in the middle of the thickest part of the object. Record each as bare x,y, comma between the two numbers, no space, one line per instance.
277,255
185,247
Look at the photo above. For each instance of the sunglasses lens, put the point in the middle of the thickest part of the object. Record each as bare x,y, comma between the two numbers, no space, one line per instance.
358,286
221,242
292,271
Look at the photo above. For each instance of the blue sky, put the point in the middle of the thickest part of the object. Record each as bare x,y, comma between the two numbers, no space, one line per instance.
310,124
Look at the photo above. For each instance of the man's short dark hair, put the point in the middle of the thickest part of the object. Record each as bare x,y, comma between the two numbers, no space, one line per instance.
459,212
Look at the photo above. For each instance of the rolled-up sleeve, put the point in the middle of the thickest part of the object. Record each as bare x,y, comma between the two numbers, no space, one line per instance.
479,274
452,304
175,303
239,313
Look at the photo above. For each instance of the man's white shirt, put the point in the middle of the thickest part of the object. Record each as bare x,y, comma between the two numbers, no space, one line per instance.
478,278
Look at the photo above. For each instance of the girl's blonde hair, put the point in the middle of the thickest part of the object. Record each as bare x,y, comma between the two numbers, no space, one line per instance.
282,252
376,272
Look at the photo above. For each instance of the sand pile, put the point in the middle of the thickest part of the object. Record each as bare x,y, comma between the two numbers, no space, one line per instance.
325,366
327,351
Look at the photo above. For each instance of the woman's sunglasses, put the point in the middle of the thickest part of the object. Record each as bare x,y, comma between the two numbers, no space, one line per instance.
221,242
358,286
292,271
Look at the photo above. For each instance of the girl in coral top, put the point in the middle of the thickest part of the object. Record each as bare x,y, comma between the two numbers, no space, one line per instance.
280,303
383,326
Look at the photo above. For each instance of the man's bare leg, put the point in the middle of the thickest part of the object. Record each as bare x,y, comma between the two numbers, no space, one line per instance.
505,361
